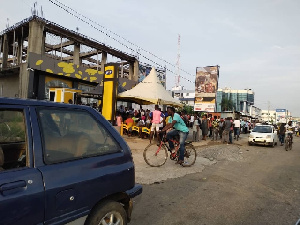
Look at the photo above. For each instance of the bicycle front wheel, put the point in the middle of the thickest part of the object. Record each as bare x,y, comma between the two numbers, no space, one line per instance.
286,145
290,145
190,155
155,156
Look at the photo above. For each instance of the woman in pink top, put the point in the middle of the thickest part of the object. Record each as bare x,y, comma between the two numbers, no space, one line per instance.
119,120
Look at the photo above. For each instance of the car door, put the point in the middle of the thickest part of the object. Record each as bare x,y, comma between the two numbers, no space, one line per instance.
82,163
21,186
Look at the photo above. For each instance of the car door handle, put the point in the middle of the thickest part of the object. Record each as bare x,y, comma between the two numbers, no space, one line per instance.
12,185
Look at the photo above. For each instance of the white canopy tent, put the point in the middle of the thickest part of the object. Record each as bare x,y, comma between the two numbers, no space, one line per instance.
149,91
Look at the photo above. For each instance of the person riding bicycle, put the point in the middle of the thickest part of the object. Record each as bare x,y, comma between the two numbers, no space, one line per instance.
180,129
289,130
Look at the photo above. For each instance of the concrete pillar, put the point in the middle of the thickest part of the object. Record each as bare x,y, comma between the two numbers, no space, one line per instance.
103,61
20,51
23,81
136,70
131,71
5,52
36,38
76,54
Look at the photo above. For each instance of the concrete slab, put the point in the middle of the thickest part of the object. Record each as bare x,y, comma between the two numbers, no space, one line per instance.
146,174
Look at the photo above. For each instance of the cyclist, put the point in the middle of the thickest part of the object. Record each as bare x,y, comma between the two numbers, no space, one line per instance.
180,129
289,130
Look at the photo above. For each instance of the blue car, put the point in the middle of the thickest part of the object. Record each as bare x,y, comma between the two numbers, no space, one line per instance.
62,163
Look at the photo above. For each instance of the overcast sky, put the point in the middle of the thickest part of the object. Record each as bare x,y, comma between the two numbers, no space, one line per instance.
256,43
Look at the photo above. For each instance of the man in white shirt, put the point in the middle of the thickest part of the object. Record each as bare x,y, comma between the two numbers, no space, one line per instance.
236,128
289,130
192,119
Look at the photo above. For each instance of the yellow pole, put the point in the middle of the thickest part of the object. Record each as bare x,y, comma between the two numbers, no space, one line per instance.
121,129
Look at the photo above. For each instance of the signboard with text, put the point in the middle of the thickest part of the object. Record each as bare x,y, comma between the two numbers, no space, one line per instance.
281,115
206,85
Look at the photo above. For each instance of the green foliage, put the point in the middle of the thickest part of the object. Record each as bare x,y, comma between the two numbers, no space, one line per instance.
11,132
11,126
188,109
226,105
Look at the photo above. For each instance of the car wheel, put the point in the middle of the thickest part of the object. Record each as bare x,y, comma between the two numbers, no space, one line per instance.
108,212
249,143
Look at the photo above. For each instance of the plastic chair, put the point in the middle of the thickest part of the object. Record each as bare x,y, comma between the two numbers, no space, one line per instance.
135,129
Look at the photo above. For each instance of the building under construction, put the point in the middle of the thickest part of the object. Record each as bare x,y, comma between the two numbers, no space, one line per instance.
42,60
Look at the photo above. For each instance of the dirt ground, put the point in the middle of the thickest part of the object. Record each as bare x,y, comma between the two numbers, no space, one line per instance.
229,184
208,153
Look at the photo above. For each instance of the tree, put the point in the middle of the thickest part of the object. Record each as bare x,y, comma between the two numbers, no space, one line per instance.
226,104
188,109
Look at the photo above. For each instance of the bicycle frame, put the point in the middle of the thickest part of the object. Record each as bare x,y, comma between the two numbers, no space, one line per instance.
163,143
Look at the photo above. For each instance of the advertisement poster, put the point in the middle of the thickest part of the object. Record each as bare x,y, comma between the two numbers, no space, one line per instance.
206,85
281,115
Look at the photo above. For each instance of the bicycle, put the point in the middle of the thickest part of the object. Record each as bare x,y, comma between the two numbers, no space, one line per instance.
288,143
156,155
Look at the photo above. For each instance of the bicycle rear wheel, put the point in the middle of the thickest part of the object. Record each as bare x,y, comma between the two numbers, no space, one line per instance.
155,156
190,155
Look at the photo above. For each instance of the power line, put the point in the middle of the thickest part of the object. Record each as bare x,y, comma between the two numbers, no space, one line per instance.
69,9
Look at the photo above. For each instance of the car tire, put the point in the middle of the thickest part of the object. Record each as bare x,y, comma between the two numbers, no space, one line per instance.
109,211
250,144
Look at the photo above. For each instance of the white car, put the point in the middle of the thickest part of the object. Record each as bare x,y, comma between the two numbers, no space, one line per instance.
263,135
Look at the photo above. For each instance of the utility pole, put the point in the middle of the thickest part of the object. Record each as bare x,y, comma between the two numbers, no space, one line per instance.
177,80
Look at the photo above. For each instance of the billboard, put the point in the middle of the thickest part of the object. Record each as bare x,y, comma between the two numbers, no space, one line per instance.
281,115
206,86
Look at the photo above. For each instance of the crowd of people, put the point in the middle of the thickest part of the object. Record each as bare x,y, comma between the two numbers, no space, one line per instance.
203,126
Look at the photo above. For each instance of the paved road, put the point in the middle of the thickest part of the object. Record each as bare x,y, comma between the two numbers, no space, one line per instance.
243,185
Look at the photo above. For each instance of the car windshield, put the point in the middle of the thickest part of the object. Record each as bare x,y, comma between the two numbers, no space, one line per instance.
262,129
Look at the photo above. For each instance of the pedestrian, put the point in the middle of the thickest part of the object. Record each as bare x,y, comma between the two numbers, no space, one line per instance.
282,131
155,116
231,131
192,119
204,127
246,127
196,128
119,119
236,129
227,126
215,127
210,128
221,127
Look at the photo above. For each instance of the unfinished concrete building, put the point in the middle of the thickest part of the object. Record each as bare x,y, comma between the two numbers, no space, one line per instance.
38,56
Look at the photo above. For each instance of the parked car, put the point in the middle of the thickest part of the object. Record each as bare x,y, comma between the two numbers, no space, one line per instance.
263,135
61,163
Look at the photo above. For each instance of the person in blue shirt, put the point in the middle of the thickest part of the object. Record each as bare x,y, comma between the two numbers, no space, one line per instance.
180,129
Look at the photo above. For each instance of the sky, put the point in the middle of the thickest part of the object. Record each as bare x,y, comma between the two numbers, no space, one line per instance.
256,43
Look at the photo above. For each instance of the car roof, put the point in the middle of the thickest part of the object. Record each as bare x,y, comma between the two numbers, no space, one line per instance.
34,102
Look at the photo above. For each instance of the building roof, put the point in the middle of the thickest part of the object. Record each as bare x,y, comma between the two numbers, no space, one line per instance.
18,30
